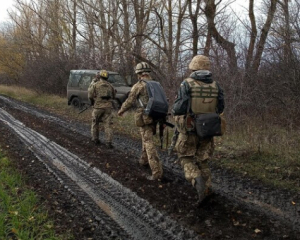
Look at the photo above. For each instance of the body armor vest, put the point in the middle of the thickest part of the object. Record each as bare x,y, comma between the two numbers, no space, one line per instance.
204,96
103,90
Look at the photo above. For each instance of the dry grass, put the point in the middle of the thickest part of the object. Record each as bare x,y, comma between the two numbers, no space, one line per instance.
26,95
254,148
264,151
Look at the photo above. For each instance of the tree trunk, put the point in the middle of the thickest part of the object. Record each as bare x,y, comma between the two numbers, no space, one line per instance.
229,47
263,37
253,36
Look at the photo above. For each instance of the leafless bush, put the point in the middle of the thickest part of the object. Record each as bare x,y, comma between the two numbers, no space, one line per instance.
47,75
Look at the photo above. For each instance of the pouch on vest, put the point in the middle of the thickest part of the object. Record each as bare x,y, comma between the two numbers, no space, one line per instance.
208,125
190,123
184,123
203,96
104,91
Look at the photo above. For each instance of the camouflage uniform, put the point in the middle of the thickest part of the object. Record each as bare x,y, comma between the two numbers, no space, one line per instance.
194,152
149,154
102,111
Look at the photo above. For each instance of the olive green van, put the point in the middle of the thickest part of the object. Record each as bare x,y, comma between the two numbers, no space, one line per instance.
79,81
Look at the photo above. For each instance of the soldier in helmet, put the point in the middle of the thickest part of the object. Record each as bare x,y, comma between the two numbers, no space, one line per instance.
101,93
145,122
198,94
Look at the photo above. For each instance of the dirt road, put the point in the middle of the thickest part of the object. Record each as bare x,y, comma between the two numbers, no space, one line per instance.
98,193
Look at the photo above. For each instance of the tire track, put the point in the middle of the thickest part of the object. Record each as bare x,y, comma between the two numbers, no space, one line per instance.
274,203
135,217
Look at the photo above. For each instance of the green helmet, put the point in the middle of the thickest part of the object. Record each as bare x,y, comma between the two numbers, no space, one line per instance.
142,67
103,74
199,62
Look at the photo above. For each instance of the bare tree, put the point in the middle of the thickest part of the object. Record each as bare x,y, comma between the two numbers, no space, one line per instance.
210,13
194,12
264,35
253,36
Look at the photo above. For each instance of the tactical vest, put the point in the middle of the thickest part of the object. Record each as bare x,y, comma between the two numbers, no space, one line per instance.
103,90
204,96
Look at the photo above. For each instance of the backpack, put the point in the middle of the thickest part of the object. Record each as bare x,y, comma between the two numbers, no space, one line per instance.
157,106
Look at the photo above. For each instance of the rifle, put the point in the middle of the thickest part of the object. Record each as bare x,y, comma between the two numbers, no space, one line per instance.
162,125
86,108
173,143
169,124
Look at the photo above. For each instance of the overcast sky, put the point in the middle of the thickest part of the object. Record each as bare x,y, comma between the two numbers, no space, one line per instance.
7,4
4,5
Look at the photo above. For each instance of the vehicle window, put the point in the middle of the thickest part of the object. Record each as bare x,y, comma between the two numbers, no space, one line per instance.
85,81
74,79
116,79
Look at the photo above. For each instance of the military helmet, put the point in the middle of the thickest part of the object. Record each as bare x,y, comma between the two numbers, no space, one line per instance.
199,62
142,67
103,74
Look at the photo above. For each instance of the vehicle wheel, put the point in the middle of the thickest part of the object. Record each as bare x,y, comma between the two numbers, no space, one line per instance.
76,103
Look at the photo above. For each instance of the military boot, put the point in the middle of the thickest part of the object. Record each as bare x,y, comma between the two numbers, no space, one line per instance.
96,141
153,178
200,187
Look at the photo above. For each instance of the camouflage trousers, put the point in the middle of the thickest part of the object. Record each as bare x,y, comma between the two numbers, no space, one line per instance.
194,155
102,115
149,153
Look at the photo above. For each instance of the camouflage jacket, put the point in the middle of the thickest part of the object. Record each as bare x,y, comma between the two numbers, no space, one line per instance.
137,93
93,94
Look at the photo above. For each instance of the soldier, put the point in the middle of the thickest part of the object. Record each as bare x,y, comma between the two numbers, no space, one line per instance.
145,122
101,93
198,94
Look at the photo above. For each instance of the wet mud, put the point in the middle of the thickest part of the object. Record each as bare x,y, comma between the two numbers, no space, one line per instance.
239,209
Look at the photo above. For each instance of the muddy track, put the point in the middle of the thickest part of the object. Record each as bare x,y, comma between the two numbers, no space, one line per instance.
133,214
276,204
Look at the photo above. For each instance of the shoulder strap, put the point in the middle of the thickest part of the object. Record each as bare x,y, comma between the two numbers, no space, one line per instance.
191,82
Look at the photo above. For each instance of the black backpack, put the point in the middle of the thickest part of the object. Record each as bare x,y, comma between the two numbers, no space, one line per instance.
157,106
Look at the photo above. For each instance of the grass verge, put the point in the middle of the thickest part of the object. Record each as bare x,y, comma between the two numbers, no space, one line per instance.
22,216
265,152
254,148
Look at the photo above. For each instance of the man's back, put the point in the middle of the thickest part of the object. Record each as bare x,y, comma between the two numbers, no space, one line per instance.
102,92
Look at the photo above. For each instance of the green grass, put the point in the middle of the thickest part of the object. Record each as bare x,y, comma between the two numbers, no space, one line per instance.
22,216
254,147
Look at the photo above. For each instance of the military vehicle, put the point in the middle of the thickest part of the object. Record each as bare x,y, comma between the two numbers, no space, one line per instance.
79,81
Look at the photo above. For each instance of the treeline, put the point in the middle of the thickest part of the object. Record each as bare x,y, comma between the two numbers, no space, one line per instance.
254,51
